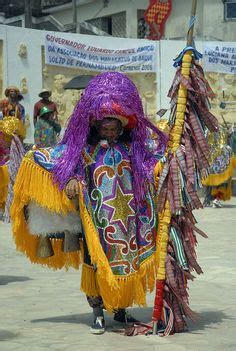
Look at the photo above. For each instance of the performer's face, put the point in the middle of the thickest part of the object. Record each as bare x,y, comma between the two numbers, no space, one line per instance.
12,93
45,95
109,130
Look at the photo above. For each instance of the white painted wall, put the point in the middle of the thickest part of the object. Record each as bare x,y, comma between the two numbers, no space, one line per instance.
214,26
15,67
3,37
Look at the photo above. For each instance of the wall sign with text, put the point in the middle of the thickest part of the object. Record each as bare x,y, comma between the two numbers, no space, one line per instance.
219,57
64,52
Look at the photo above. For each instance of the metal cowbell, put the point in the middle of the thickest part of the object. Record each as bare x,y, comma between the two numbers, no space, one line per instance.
44,248
70,242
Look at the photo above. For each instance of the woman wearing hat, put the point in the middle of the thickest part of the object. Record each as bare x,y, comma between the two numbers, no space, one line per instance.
11,105
44,95
46,129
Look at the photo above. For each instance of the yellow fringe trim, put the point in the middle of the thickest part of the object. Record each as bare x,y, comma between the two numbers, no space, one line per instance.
96,252
226,191
4,177
34,183
88,281
116,291
217,179
234,161
132,288
28,243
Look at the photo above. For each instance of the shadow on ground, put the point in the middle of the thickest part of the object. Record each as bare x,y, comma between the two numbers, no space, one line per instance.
83,318
206,318
142,314
6,335
228,205
6,279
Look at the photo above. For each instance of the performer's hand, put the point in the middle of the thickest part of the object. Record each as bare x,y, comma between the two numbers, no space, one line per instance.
72,188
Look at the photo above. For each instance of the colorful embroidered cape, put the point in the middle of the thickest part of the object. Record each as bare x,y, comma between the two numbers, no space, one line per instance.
125,233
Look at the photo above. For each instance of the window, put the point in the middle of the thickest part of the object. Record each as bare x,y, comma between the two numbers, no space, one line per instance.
143,29
102,23
230,10
115,24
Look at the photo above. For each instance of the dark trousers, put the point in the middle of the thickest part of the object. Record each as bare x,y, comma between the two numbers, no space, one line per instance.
94,301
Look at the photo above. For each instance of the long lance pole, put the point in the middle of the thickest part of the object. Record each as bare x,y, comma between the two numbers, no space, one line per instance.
177,129
192,18
174,143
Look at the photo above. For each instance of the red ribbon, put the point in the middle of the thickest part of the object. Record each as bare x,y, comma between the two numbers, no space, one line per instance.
158,303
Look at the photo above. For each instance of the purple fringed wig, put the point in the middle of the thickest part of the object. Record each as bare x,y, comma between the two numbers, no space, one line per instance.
107,94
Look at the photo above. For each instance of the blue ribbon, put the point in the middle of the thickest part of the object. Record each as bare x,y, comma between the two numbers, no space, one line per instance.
191,22
178,60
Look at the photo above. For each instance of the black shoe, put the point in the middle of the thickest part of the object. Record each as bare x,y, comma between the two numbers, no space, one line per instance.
98,326
122,316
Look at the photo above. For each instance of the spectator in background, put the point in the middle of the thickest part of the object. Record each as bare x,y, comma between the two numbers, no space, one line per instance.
46,129
12,129
45,94
11,106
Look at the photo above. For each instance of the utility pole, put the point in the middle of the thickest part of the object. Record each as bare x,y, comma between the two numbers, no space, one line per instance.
28,14
75,25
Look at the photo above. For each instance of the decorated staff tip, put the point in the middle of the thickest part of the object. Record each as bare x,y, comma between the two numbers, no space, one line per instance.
191,23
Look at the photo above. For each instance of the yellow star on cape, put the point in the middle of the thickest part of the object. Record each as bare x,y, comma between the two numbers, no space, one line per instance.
121,207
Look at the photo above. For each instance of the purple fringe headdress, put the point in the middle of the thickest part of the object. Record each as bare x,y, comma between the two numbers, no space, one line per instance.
103,92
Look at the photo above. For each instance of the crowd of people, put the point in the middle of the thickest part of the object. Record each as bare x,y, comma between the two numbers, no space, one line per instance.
45,119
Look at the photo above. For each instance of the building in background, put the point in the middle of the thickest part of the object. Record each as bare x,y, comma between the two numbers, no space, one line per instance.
22,54
216,19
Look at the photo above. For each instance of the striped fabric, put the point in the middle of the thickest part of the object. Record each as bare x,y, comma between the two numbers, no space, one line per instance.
178,246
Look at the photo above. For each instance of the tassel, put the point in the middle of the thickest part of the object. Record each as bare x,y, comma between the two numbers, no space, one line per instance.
35,183
88,281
